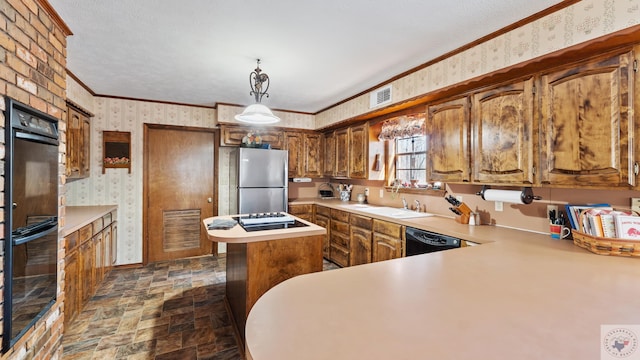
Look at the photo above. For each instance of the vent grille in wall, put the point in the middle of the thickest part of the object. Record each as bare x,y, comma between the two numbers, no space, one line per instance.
181,230
380,96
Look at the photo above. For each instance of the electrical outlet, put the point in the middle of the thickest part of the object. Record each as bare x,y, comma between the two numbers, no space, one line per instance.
552,208
459,198
635,204
499,205
366,191
381,193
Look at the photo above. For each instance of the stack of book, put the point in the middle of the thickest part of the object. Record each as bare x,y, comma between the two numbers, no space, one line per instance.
603,221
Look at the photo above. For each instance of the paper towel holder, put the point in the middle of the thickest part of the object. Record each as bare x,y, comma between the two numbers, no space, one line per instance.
526,195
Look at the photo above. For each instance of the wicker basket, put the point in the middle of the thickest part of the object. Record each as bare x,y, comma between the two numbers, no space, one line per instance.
606,245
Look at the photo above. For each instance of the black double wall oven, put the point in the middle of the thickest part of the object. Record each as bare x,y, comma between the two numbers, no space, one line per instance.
31,209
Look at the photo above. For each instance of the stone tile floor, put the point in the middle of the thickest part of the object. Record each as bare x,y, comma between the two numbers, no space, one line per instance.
165,310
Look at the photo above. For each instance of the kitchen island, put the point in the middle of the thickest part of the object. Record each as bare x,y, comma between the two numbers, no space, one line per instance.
260,260
519,295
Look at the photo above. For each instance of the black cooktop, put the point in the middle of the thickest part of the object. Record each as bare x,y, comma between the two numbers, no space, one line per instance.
273,226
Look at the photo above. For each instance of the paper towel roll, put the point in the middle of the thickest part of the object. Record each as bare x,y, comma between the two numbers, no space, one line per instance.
511,196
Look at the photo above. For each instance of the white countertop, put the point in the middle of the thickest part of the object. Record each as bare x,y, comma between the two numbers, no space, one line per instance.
238,235
78,216
519,295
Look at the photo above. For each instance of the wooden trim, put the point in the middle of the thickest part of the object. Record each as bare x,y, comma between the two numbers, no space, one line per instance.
481,40
154,101
74,77
55,17
129,266
608,43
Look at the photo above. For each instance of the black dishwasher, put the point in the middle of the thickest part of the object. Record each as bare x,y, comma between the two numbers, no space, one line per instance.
422,241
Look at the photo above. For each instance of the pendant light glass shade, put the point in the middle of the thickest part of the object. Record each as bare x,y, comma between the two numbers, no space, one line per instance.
257,114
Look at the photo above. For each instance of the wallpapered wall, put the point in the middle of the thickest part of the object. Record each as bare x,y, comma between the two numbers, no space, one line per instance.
575,24
117,186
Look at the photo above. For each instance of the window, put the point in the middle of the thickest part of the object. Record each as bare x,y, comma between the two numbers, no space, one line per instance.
411,159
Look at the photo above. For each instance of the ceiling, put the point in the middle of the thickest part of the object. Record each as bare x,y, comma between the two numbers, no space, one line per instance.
316,53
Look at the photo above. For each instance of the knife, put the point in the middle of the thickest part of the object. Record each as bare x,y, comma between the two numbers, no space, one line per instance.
455,211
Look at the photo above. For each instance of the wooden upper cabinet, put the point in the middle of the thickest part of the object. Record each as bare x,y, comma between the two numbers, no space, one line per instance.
329,154
312,154
78,144
358,151
293,143
342,152
231,135
448,125
585,121
502,134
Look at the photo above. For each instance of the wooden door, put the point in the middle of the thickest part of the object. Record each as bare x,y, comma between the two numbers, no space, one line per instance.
293,143
71,285
502,134
329,154
360,247
75,142
586,117
323,221
312,154
179,191
342,152
358,151
448,143
86,270
387,240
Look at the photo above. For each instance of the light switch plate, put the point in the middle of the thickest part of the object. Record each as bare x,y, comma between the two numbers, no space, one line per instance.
381,193
459,198
499,206
635,204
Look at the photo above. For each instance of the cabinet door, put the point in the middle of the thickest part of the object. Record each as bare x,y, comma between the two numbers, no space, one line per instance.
342,152
293,143
386,247
323,221
358,151
502,134
98,261
585,124
303,211
71,281
85,157
107,246
74,142
360,248
232,135
114,242
448,141
329,154
86,270
312,154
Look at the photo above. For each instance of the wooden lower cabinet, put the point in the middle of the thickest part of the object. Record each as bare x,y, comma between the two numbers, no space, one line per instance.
340,237
323,218
360,241
303,211
388,240
90,256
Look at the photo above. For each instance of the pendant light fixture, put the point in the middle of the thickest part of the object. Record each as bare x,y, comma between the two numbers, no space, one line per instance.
258,113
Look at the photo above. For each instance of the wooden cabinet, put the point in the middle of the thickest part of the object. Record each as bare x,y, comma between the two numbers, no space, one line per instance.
90,256
502,134
340,237
586,116
231,135
114,242
342,152
303,211
71,293
78,143
329,154
358,151
323,218
293,143
312,154
305,151
448,125
360,240
388,240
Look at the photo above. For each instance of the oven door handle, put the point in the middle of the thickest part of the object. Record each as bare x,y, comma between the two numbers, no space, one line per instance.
19,240
34,137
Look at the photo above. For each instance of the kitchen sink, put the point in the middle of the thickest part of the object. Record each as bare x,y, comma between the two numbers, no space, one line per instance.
387,211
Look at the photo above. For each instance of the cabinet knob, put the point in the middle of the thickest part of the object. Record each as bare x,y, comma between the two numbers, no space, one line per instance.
209,200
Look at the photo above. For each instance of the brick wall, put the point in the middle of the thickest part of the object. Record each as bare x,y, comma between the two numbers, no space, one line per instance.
32,71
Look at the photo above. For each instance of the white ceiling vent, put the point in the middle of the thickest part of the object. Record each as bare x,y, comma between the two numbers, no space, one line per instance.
380,96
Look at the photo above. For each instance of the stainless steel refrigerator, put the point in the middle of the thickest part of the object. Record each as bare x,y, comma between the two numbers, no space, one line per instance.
259,181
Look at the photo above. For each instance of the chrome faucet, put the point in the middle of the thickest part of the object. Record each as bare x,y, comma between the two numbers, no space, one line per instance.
417,205
404,204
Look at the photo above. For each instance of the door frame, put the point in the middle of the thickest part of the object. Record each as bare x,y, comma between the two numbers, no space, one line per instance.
145,178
